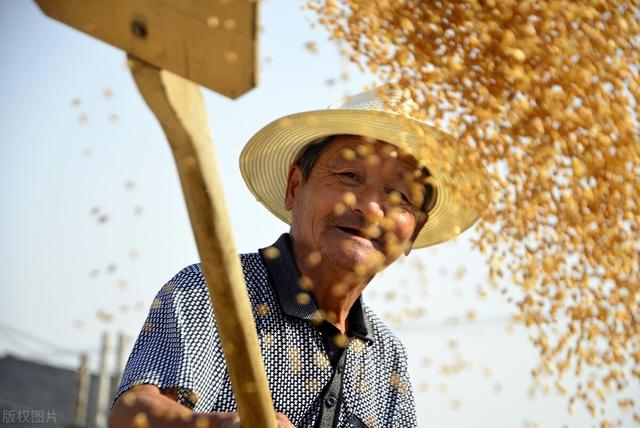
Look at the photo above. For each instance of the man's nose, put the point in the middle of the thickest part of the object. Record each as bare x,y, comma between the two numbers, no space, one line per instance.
369,204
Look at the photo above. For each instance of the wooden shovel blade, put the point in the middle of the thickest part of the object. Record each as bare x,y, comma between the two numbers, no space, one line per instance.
210,42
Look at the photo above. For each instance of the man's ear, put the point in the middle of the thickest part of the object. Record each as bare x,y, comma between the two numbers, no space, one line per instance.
294,181
419,225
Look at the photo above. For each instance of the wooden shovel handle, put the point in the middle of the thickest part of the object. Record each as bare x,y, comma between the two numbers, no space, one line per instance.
179,106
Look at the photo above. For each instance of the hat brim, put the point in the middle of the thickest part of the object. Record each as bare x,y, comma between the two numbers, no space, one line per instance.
267,157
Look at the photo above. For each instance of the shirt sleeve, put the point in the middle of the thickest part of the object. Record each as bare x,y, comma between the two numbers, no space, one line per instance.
404,414
178,346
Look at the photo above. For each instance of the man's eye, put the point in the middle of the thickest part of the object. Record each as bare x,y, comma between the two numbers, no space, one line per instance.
397,197
349,175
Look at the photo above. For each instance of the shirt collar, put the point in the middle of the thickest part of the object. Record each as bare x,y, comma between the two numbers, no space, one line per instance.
285,279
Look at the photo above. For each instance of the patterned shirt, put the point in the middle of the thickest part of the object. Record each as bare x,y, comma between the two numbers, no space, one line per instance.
179,347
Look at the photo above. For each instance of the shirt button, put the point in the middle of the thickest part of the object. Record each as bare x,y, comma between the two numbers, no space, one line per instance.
330,401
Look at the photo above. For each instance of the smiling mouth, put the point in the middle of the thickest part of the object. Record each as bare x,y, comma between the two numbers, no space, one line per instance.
359,233
352,231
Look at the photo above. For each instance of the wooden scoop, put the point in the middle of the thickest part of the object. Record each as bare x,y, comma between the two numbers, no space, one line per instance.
172,46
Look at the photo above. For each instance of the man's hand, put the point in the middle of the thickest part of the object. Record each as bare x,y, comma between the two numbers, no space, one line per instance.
146,406
283,421
232,420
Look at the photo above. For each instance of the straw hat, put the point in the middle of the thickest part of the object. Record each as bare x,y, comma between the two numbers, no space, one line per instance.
265,160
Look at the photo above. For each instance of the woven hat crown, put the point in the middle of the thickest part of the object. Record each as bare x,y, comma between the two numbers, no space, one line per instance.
393,101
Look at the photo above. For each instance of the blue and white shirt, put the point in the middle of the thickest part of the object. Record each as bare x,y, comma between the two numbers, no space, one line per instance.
179,347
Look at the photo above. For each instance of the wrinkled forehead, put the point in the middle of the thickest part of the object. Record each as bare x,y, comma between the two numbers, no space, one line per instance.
349,148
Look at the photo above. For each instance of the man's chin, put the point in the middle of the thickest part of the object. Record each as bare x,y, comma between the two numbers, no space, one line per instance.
362,261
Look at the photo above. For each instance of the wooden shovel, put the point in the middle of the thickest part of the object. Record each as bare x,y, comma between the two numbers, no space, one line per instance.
174,45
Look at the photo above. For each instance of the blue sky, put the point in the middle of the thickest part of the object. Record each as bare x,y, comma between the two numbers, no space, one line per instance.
62,267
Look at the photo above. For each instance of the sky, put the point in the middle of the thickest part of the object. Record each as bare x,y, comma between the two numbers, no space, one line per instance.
94,222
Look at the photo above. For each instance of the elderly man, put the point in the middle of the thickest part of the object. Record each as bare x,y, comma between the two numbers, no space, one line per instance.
359,192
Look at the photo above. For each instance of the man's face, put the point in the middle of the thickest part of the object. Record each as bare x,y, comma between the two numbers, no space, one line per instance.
359,206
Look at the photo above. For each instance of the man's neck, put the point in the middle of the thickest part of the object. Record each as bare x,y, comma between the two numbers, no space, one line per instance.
334,288
336,305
